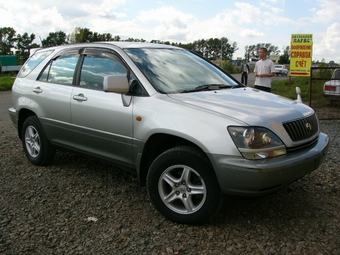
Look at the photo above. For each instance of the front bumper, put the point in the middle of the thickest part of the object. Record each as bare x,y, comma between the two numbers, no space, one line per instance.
13,115
239,176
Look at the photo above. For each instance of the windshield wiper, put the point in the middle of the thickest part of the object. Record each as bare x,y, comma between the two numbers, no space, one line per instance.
208,87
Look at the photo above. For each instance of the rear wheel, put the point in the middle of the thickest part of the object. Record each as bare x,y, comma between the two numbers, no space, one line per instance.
36,146
183,187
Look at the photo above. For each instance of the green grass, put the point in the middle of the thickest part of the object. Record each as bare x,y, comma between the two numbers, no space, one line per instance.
6,81
287,88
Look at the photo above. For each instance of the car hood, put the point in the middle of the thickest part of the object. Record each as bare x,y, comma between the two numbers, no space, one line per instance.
251,106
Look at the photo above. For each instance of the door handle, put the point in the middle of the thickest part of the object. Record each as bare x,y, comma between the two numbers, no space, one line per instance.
37,90
80,97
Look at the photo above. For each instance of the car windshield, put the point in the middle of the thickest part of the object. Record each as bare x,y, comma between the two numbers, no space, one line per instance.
179,71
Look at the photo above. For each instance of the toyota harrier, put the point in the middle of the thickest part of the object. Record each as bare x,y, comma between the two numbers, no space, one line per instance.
187,129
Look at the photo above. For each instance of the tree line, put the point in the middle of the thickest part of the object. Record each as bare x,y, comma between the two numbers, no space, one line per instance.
212,49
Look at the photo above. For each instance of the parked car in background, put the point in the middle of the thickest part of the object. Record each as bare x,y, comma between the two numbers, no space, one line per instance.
281,70
187,129
331,89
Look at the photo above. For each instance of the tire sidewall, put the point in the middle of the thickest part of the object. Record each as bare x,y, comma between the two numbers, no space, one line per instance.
195,160
46,153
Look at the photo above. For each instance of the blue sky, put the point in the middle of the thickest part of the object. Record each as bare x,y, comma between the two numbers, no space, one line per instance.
245,22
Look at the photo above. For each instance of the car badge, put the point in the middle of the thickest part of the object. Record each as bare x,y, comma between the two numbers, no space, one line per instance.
309,126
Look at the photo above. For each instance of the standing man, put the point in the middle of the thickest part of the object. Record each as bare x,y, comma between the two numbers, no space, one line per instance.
245,70
264,71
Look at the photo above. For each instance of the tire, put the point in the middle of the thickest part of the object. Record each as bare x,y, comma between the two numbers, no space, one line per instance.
36,145
183,187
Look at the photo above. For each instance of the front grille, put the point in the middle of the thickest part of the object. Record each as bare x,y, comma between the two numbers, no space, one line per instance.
302,129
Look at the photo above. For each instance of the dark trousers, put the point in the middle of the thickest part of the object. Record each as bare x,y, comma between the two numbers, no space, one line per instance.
263,88
244,78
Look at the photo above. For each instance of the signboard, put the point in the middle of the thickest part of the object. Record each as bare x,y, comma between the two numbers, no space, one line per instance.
274,58
301,47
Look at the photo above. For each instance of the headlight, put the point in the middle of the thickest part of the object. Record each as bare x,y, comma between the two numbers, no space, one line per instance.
256,142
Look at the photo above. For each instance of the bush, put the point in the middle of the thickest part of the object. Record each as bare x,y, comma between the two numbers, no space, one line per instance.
6,81
228,66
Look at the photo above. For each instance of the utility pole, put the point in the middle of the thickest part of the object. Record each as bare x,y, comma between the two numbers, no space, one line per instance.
221,51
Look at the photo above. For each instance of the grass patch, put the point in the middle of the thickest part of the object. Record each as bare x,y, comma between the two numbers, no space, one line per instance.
6,81
287,88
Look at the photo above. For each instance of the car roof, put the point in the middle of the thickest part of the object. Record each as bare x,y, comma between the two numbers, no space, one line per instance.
125,45
121,45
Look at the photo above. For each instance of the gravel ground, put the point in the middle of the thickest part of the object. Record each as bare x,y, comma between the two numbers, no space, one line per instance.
81,206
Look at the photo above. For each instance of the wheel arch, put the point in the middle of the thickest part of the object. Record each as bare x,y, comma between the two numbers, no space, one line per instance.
156,145
23,115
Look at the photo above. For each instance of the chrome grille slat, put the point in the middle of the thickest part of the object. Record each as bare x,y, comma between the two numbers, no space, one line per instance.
302,129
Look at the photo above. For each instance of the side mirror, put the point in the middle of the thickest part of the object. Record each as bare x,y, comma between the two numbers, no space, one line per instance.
116,83
298,92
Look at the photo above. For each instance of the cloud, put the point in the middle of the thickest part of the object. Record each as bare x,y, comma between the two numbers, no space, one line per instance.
329,10
329,47
168,23
242,21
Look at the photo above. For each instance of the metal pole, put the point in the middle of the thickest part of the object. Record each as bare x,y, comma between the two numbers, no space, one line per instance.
221,52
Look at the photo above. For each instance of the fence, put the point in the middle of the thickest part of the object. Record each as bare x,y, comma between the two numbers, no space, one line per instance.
325,104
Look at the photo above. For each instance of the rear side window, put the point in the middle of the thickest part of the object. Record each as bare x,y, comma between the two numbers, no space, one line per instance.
33,62
61,69
336,74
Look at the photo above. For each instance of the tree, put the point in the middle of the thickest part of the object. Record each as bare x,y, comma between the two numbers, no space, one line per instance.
135,40
80,35
86,35
251,51
103,37
54,39
83,35
284,58
24,44
228,49
215,48
7,40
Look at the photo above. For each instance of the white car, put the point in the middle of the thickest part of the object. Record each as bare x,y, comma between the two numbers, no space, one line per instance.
281,69
331,89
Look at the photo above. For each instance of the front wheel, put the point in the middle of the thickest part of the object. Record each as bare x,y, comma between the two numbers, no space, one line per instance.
36,145
183,187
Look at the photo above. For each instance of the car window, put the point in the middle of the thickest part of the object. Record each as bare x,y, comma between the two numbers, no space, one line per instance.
61,69
98,64
33,62
336,74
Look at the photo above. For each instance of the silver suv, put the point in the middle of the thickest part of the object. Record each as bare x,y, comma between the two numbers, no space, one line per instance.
187,129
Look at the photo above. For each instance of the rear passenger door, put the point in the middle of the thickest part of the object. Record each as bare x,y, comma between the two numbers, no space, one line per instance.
102,124
52,93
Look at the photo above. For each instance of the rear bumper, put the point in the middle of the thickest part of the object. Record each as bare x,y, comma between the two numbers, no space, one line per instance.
332,96
239,176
